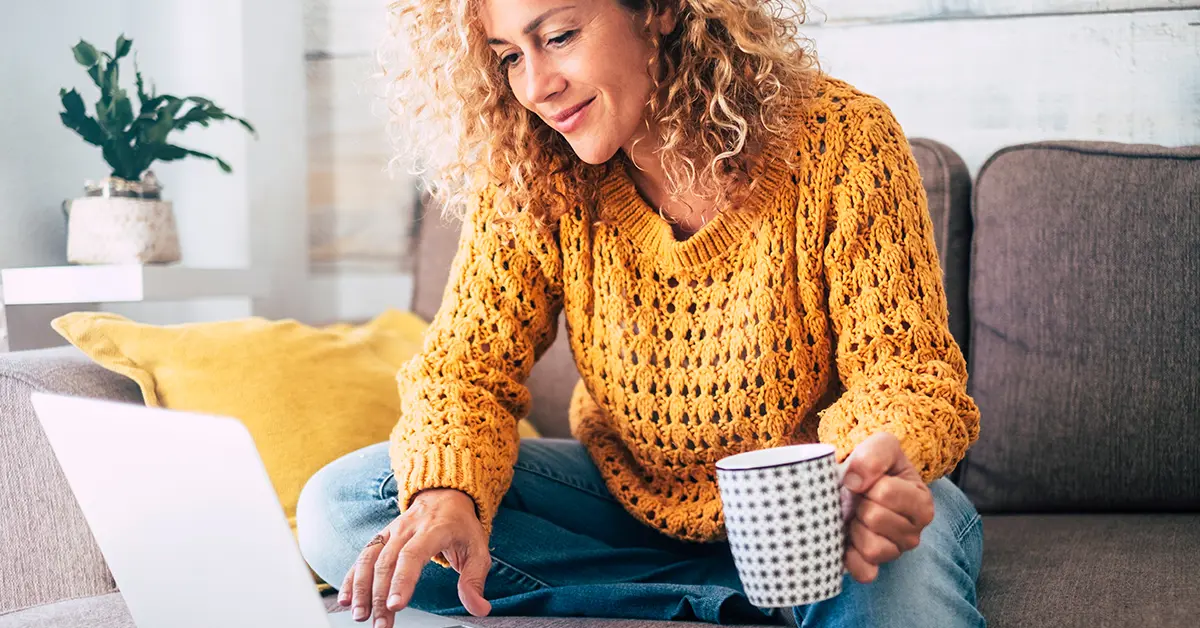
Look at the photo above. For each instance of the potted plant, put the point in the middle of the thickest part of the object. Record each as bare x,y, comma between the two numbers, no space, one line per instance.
123,219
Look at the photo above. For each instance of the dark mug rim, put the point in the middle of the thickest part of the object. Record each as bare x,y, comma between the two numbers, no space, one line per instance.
830,454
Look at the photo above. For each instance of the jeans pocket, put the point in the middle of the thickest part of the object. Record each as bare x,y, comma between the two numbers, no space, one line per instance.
387,487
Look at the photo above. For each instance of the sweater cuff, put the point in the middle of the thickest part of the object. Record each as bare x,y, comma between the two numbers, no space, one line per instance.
933,434
446,467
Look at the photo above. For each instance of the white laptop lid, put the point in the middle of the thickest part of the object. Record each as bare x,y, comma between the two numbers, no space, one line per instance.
186,517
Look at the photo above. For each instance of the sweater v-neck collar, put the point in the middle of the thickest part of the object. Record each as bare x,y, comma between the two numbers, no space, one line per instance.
625,207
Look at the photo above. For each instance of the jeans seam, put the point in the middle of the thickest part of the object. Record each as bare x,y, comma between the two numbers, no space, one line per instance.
524,466
503,564
958,536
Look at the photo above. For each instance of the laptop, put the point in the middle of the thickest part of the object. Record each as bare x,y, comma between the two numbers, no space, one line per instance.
187,519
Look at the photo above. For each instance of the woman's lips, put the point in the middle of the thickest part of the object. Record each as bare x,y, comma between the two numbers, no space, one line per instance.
573,118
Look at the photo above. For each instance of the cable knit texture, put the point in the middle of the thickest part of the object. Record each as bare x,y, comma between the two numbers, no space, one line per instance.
812,312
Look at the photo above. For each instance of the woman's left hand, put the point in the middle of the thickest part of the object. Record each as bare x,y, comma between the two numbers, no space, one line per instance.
888,502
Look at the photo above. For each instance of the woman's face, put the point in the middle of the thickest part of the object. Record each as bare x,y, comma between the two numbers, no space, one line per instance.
580,65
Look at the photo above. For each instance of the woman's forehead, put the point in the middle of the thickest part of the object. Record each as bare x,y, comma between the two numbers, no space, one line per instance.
513,18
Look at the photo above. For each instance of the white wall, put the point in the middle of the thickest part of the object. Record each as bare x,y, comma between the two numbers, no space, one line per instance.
41,161
247,56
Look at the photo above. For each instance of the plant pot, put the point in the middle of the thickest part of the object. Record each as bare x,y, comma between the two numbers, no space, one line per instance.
118,230
121,222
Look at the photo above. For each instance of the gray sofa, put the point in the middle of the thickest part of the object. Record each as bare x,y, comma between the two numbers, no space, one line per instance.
1073,277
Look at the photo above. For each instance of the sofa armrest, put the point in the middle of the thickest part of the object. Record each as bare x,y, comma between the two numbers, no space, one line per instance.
47,552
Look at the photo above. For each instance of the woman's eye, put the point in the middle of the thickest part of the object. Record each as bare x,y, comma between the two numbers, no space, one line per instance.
508,60
561,39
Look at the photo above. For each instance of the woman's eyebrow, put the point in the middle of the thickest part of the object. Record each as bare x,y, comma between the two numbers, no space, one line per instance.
532,25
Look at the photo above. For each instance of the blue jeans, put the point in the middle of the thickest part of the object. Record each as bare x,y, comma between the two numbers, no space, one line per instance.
562,546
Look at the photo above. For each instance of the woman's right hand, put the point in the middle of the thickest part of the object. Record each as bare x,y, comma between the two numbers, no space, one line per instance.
439,521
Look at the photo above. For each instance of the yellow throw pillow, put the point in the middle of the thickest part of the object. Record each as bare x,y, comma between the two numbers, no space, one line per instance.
307,395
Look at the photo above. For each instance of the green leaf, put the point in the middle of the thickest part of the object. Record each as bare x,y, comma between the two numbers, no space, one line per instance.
123,46
157,133
173,153
72,102
156,129
125,156
140,125
86,127
105,117
112,83
86,54
205,112
246,125
195,115
143,98
114,160
169,152
94,72
122,110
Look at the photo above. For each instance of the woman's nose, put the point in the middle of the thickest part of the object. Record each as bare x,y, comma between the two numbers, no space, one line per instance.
543,80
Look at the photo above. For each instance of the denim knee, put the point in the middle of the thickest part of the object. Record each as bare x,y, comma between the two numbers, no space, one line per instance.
931,585
341,507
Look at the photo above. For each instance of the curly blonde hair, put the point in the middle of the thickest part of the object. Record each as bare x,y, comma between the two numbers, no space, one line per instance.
729,77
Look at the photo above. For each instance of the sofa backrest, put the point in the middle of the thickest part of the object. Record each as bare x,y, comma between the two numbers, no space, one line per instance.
1085,336
947,184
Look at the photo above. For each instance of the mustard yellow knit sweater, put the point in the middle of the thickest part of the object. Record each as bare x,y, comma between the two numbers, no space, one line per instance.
814,312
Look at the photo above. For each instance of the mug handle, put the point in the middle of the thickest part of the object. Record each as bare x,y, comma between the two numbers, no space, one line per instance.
846,495
848,501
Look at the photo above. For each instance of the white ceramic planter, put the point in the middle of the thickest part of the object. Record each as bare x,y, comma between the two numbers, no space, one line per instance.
119,230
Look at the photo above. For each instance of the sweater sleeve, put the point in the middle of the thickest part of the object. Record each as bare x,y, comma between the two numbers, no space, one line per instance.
462,395
902,370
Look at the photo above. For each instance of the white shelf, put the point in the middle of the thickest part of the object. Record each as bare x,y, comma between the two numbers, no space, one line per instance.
125,284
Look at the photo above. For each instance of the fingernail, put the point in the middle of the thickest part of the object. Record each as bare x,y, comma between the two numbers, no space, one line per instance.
380,622
360,613
853,482
393,601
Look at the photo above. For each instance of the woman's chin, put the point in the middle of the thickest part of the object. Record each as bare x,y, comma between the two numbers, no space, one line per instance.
594,153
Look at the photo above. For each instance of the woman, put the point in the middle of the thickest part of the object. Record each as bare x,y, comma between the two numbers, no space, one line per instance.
741,248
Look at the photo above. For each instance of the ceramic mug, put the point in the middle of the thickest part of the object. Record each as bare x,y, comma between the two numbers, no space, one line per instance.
786,519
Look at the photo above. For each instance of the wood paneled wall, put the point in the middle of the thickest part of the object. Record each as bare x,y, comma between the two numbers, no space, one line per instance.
976,74
359,216
884,11
983,75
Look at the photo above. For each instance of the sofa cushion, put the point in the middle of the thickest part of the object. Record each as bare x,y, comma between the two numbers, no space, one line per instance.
307,395
947,185
100,611
1090,570
1085,343
47,552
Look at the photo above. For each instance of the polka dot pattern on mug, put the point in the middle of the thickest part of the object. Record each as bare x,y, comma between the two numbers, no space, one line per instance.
785,530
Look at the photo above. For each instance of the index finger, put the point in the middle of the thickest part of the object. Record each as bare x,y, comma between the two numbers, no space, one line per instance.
418,551
902,497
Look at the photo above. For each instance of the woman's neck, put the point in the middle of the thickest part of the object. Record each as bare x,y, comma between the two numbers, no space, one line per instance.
687,213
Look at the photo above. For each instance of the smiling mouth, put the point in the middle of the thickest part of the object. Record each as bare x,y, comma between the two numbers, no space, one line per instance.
566,115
